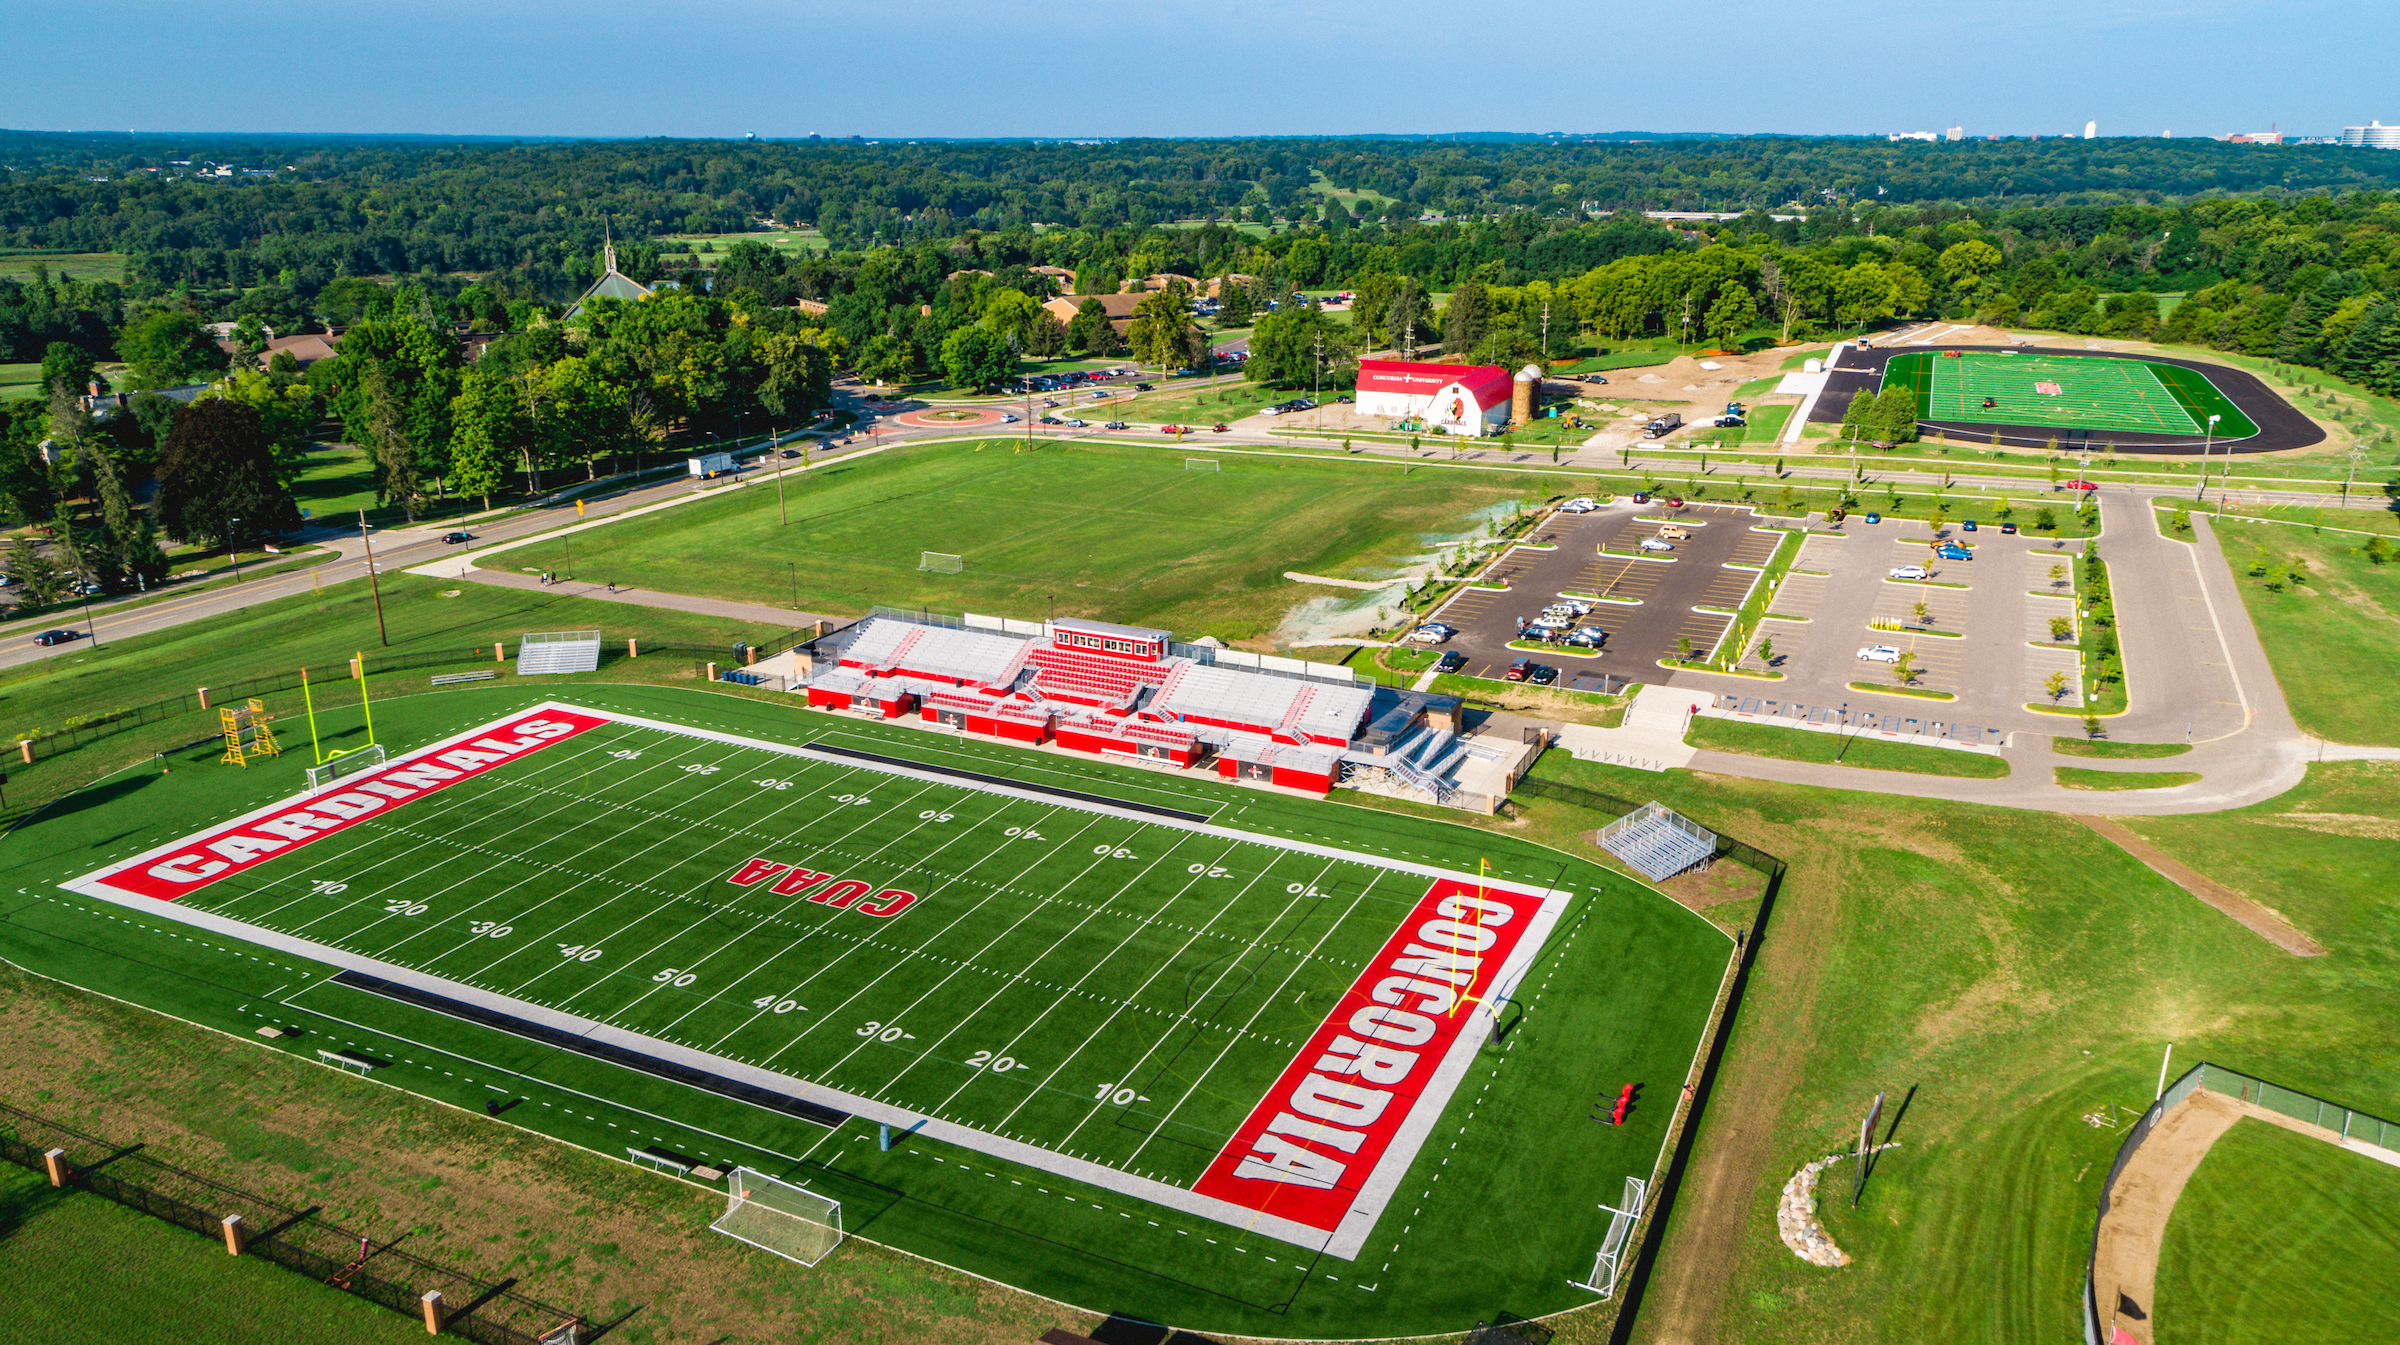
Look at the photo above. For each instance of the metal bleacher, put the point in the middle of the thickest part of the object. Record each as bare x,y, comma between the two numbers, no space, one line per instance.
561,651
1658,842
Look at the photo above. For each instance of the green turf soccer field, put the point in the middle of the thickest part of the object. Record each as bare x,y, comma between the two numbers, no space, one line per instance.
2121,396
1173,1048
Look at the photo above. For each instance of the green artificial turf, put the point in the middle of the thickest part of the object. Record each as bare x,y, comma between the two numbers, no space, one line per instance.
1024,958
76,1269
1860,750
2279,1236
2334,638
1121,533
2098,394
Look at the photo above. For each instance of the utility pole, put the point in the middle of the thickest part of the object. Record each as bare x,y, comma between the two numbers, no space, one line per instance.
374,583
779,504
1545,332
1319,385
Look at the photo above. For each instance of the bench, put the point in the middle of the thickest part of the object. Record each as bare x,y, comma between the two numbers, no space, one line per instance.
448,679
350,1060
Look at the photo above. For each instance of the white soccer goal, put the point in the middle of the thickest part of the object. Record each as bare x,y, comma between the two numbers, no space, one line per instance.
776,1216
939,563
1621,1220
1200,464
349,763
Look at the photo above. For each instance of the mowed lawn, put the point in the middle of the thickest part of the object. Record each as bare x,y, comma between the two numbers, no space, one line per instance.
1118,533
1849,749
2280,1237
1997,975
2334,638
78,1270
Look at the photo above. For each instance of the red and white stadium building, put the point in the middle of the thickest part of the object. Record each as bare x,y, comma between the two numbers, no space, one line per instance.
1126,691
1462,399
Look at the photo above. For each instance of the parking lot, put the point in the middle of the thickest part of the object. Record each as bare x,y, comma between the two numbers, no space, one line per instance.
1973,629
1644,601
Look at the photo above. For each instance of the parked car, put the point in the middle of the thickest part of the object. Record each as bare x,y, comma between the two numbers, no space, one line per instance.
1542,675
1653,544
1968,525
1114,425
1880,653
1675,534
454,538
1587,637
1907,572
2008,529
1874,516
50,637
1581,504
789,453
1953,551
1595,379
1450,661
1518,671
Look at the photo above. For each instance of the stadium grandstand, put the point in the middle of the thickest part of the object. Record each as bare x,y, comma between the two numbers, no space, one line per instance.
1090,686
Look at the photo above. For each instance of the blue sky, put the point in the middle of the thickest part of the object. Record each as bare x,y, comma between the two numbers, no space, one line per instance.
1198,67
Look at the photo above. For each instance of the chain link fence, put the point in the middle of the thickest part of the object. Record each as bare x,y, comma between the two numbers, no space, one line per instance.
477,1310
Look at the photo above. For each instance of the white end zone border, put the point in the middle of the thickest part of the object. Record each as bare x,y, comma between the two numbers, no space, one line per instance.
1345,1242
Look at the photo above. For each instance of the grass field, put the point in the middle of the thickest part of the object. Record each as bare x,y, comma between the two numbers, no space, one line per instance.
2277,1237
19,265
20,380
2078,393
78,1270
2078,777
2328,637
1084,944
2101,747
1114,532
1875,754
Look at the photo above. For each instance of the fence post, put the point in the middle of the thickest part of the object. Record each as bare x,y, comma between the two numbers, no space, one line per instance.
432,1303
54,1163
712,672
497,655
753,654
236,1237
357,669
25,749
633,648
204,698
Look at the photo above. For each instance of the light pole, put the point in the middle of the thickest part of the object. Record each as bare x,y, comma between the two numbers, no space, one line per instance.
374,582
234,544
794,568
2205,443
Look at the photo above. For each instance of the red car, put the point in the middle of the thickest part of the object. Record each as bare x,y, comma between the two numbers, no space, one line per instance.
1518,670
1220,428
2078,485
1173,429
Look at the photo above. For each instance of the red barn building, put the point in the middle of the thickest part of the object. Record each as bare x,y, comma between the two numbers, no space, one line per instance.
1463,399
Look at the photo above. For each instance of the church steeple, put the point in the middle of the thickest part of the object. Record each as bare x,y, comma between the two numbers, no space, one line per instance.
608,247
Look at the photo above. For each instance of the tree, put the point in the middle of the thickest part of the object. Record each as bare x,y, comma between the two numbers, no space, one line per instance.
1235,305
888,359
1924,614
1161,331
1904,668
168,349
2060,629
976,358
1766,651
1406,317
66,366
1894,417
1467,318
43,581
1968,267
219,465
1734,312
1856,416
1284,347
2056,685
485,434
288,408
1091,332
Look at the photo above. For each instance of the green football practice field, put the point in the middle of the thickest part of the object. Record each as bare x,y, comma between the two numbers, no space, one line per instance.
752,934
2122,396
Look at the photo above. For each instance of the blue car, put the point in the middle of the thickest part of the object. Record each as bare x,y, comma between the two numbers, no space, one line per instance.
1953,551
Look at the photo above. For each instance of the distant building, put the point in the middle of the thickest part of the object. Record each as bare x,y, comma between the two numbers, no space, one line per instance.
1955,133
1065,278
1460,398
612,284
1119,308
2091,130
1165,278
2373,135
2255,138
1912,135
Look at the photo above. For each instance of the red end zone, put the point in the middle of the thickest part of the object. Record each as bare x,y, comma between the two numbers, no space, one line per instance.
197,861
1307,1148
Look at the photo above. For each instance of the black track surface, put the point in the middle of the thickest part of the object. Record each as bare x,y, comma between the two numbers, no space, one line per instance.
673,1071
2281,426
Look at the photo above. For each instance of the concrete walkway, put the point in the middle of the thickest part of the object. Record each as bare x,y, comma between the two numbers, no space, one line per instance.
1651,738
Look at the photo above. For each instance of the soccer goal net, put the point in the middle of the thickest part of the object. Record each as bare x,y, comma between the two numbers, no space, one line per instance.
776,1216
1621,1220
939,563
349,763
1200,464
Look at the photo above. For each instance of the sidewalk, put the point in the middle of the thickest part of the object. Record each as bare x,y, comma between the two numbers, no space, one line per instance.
1651,738
782,617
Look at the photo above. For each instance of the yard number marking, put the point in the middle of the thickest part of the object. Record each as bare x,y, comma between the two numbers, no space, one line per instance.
1208,871
675,976
930,815
486,929
697,769
773,1005
997,1065
622,754
772,784
1110,1093
1022,834
885,1032
859,799
576,952
326,887
404,907
1113,852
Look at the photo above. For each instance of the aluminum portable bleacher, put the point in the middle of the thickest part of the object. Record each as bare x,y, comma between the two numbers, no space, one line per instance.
564,651
1657,842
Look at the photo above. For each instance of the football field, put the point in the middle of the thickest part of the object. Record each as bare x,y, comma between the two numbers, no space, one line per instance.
1251,1029
2124,396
